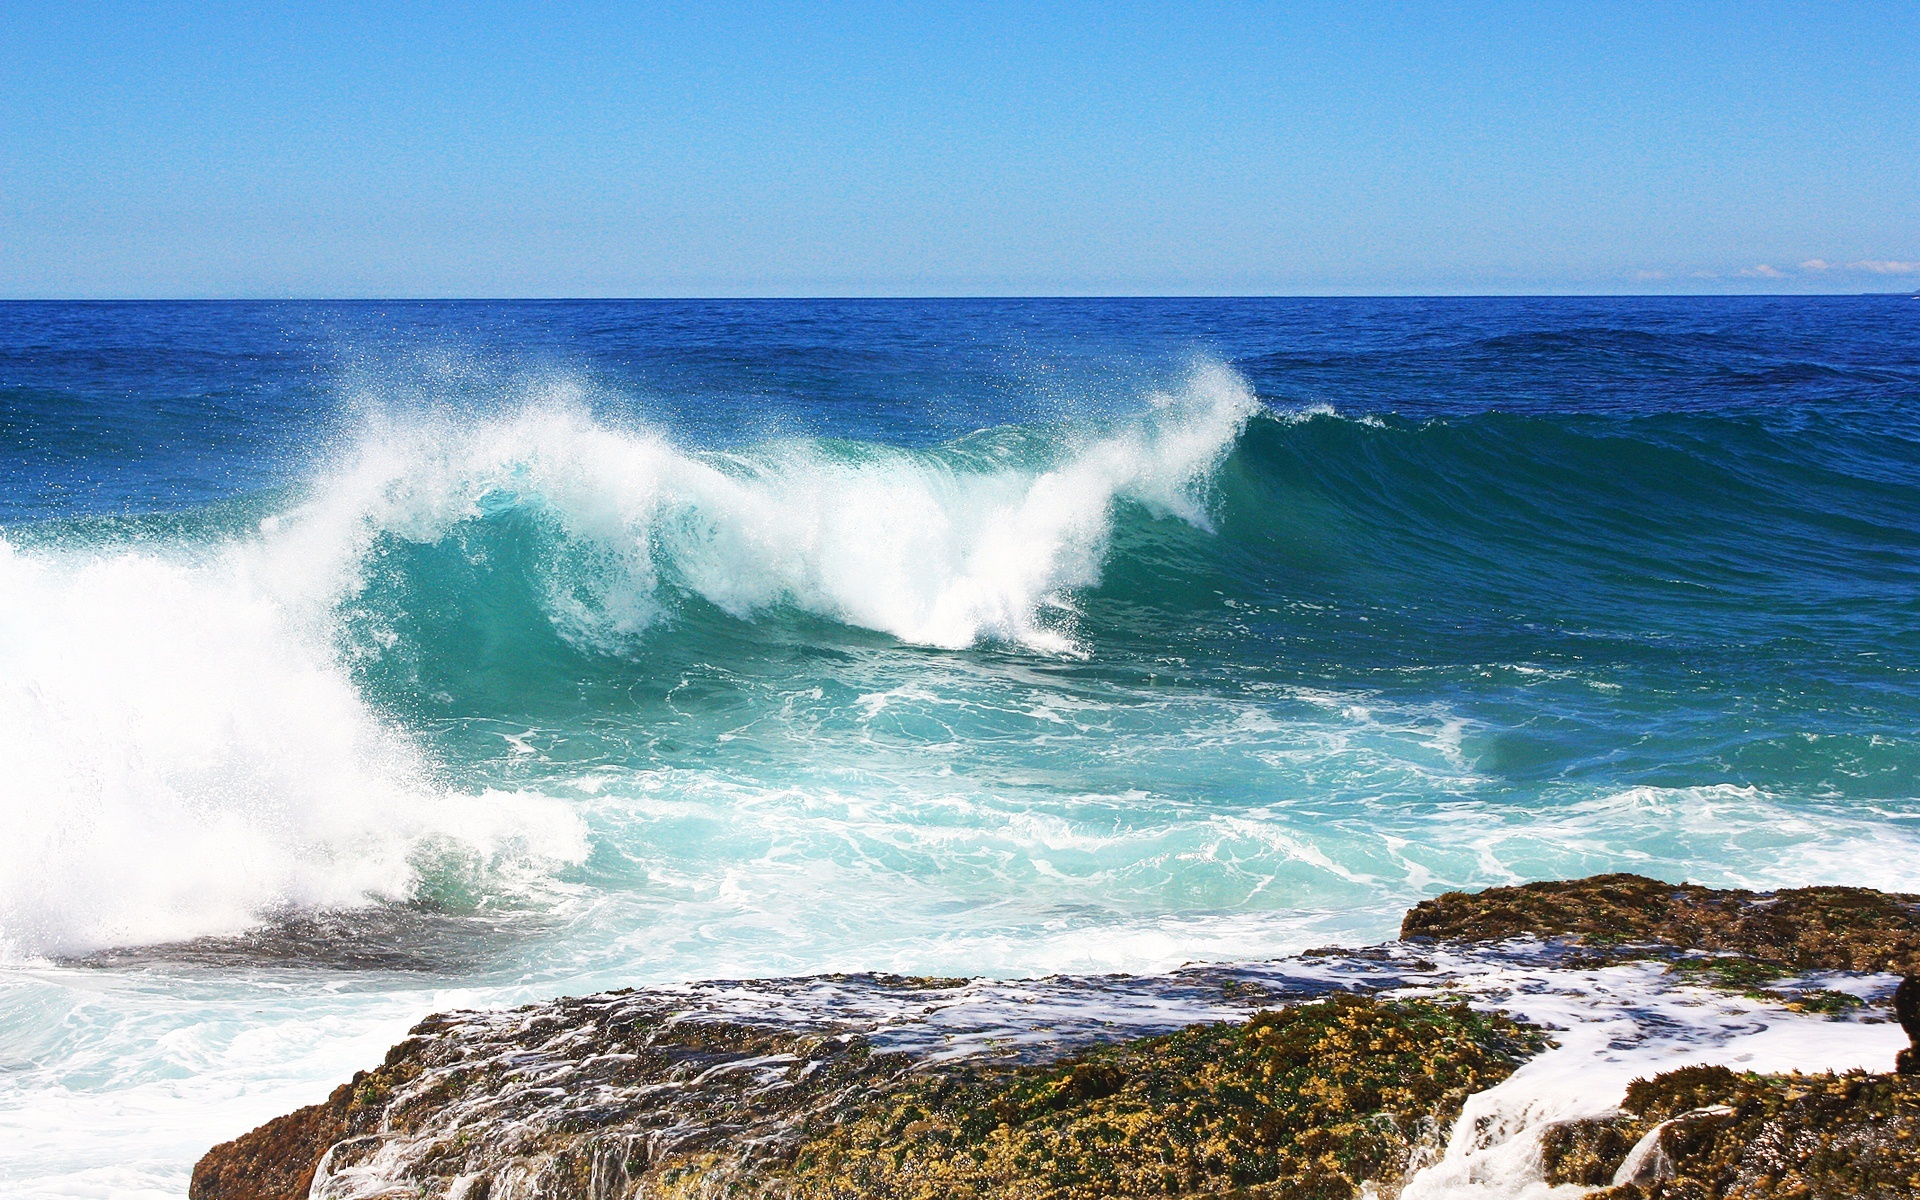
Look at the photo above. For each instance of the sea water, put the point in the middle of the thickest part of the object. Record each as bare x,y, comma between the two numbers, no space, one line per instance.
358,660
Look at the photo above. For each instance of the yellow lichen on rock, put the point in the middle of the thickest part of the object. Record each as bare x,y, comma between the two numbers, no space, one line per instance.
1304,1103
1723,1135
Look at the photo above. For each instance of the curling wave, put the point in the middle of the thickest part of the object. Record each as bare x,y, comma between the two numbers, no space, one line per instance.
983,539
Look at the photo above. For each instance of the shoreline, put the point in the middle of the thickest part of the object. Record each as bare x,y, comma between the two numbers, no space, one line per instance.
1517,1021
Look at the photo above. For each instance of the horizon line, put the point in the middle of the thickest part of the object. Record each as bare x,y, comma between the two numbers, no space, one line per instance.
779,299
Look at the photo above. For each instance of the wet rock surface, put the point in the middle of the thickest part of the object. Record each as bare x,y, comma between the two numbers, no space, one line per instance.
1707,1133
617,1094
279,1158
1300,1078
615,1097
1906,1008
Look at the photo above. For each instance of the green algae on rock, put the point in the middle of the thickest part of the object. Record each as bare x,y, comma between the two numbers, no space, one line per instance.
1813,928
1707,1133
1304,1103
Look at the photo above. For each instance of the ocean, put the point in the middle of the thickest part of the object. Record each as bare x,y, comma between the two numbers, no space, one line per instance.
362,659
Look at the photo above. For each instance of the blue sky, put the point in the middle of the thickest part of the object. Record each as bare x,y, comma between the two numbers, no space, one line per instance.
523,149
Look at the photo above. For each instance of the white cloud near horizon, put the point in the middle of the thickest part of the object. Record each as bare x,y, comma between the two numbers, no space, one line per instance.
1885,267
1875,266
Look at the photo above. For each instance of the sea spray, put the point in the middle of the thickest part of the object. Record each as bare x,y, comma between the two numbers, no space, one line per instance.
180,758
984,539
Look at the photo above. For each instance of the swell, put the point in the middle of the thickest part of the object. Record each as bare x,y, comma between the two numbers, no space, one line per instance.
1730,503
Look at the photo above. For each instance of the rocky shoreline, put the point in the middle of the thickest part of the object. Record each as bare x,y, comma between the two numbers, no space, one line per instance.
1513,1041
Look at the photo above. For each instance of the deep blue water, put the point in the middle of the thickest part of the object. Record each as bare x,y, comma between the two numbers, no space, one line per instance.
621,641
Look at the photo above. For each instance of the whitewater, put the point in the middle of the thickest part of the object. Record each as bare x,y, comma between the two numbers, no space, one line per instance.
361,661
189,749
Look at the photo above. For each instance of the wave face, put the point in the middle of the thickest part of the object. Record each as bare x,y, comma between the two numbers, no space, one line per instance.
549,647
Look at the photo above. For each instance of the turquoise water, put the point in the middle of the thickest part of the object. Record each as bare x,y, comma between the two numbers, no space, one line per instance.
360,659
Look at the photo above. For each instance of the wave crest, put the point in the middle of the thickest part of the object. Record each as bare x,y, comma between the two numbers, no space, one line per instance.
984,539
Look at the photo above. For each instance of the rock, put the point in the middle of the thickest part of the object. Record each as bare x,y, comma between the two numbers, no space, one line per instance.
1816,928
869,1087
1586,1152
613,1097
1307,1102
1906,1006
1851,1135
277,1160
1651,1160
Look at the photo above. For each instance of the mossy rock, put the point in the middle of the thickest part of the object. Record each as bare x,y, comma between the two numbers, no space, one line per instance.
1799,929
637,1094
1305,1103
1729,1136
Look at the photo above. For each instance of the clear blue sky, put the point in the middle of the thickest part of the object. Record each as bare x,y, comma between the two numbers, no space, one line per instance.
535,149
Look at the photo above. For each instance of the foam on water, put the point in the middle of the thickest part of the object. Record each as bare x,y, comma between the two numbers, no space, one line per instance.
112,1087
180,757
1612,1026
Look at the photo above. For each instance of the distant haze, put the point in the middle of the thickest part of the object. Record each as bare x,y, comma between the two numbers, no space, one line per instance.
519,149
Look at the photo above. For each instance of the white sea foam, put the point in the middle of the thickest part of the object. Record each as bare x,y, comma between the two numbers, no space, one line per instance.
180,755
1323,411
1614,1025
131,1077
1722,834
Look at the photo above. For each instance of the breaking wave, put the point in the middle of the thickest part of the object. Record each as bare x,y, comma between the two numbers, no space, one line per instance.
186,743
